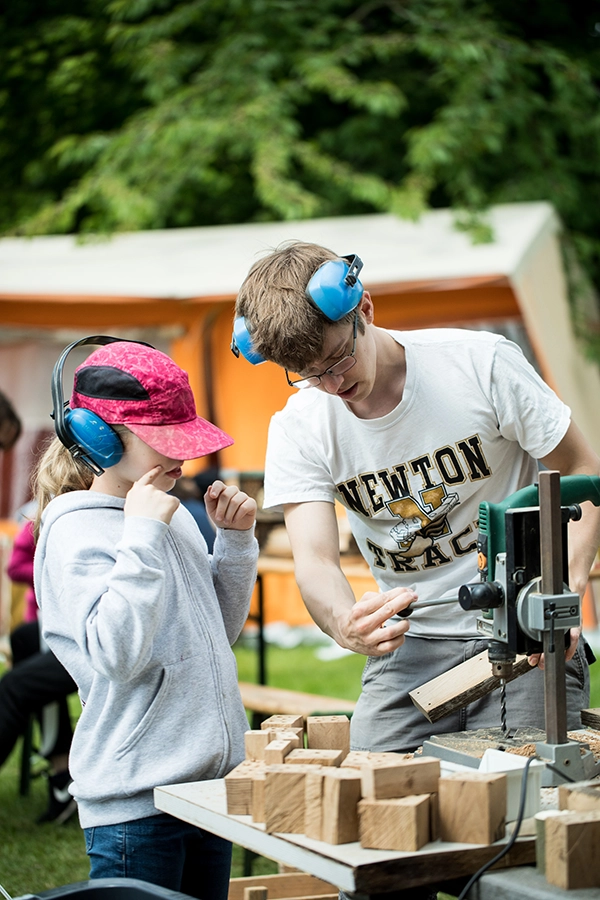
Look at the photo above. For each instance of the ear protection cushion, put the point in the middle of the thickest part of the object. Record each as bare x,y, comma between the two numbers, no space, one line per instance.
241,342
101,442
332,292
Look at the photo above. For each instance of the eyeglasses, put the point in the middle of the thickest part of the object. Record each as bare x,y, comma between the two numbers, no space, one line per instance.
339,368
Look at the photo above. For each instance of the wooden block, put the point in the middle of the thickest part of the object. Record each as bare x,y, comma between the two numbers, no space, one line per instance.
255,742
313,802
238,787
341,796
400,823
256,893
420,775
276,751
572,858
294,884
461,685
434,816
294,735
328,733
579,796
540,836
315,757
282,721
257,806
358,758
591,718
472,807
284,798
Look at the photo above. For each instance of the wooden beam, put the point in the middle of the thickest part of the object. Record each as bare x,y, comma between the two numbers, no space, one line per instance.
591,718
460,686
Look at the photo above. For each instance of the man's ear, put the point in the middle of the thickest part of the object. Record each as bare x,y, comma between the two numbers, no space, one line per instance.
367,308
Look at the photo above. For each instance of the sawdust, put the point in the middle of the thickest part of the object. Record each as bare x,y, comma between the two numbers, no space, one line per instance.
526,750
584,737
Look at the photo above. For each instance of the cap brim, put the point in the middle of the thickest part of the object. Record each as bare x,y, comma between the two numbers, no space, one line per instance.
187,440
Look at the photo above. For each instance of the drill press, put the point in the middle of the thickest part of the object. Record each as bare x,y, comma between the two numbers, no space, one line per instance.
527,607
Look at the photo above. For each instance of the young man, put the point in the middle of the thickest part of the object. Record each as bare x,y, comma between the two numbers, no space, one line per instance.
410,432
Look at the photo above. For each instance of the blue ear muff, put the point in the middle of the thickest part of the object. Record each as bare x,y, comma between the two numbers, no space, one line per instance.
335,288
241,343
100,442
86,436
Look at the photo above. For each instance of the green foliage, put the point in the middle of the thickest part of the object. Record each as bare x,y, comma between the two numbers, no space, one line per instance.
130,114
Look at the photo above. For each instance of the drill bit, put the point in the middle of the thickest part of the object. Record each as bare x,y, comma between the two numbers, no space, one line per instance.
503,707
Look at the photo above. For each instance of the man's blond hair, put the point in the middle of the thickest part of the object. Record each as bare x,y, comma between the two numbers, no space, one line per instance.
284,325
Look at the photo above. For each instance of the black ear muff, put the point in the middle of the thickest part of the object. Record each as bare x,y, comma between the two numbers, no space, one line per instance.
87,437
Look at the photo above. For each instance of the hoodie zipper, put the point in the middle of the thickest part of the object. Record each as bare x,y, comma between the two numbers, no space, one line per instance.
207,632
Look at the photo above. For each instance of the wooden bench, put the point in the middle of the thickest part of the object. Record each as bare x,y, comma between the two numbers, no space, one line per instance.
294,885
264,700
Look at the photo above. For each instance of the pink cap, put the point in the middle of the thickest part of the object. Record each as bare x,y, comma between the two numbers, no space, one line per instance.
140,387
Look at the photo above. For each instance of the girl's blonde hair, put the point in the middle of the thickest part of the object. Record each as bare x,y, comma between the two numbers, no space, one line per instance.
57,472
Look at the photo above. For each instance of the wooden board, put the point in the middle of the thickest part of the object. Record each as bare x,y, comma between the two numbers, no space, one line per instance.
272,701
591,718
348,866
282,885
460,686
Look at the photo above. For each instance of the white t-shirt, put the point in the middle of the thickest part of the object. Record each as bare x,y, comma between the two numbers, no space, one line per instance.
473,419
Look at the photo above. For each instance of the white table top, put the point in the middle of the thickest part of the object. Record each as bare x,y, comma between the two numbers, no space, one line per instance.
349,866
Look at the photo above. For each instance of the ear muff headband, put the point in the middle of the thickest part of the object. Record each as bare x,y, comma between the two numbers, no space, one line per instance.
335,289
86,436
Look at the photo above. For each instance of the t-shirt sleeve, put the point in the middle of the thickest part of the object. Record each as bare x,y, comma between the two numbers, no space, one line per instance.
294,469
528,409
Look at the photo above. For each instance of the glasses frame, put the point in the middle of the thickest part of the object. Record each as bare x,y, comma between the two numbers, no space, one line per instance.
315,380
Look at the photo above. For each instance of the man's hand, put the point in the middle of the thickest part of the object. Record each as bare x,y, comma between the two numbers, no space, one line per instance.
146,500
228,507
365,628
537,659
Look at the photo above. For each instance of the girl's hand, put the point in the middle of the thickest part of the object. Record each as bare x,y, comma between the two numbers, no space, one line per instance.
143,499
228,507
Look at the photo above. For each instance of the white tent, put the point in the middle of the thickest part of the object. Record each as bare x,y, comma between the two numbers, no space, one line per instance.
420,273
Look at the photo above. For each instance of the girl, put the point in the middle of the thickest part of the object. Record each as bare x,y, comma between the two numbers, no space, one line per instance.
142,617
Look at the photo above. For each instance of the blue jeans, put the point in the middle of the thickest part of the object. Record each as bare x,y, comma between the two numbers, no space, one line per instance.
162,850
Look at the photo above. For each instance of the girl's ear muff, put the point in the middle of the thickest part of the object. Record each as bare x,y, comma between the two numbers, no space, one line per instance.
335,289
92,439
241,343
86,436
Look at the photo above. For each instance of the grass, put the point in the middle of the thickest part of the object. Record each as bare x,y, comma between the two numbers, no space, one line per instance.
35,858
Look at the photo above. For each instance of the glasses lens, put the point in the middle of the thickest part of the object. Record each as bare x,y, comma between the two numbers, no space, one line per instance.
298,382
344,365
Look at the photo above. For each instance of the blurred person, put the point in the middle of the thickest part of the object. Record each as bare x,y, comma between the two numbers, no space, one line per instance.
35,680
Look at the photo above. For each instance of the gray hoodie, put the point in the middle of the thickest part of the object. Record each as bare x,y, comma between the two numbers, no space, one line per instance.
142,618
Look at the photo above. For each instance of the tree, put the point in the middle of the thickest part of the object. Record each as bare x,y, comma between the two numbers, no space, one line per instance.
132,114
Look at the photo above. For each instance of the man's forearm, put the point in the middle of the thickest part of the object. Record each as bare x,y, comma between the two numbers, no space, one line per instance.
327,595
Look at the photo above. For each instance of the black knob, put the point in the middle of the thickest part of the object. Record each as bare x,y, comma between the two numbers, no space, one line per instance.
481,595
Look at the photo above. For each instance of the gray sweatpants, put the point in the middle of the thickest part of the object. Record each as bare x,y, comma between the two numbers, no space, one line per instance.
385,717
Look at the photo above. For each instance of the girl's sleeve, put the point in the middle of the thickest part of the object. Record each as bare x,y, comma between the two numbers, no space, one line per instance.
234,566
113,599
20,564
